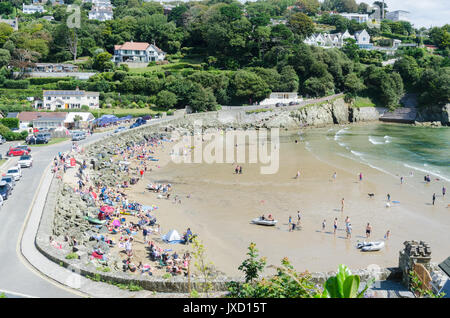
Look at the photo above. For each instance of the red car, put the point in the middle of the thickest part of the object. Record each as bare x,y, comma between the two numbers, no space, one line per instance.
16,152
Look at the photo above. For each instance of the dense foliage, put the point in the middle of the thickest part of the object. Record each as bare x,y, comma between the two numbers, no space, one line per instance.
224,52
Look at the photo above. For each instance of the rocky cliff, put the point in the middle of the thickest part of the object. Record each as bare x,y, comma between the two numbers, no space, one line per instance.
434,114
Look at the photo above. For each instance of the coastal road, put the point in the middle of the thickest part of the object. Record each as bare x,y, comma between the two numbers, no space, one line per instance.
17,277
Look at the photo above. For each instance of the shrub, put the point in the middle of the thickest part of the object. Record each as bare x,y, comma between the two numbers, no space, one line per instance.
47,80
10,122
17,84
72,256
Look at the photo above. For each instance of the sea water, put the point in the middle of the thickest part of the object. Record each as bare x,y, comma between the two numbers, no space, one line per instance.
394,149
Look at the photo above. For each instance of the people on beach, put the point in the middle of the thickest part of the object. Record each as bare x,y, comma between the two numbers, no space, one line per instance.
335,225
434,197
298,174
299,217
324,224
334,176
443,191
360,176
388,233
342,205
368,230
401,180
389,197
349,230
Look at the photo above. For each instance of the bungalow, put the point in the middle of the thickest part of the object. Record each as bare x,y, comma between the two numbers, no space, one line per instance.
41,120
32,8
138,52
281,97
53,68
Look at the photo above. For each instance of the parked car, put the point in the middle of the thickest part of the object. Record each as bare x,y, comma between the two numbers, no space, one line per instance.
37,140
16,152
77,137
24,147
147,117
119,129
5,190
2,140
138,122
45,135
16,172
25,161
10,180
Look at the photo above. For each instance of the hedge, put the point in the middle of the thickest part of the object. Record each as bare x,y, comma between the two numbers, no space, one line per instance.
47,80
16,84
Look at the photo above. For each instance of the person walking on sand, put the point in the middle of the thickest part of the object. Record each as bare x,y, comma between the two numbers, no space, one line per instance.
349,231
443,191
389,197
323,225
347,220
334,176
401,180
388,233
299,217
335,225
434,197
290,222
342,205
360,176
298,174
240,169
368,230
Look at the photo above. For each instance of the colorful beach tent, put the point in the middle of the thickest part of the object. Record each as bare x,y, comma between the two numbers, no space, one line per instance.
172,237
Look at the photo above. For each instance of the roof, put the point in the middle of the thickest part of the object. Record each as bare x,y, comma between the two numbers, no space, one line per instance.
445,266
74,92
12,115
85,116
138,46
30,116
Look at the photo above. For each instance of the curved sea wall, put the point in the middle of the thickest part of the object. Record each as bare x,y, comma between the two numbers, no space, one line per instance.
64,212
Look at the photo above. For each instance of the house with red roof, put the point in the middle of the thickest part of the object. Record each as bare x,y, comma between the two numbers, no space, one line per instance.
140,52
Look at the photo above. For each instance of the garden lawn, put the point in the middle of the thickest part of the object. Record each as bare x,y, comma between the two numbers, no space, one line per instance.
52,142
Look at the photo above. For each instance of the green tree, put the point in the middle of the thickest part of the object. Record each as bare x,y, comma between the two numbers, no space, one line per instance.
5,57
102,62
301,24
166,99
249,87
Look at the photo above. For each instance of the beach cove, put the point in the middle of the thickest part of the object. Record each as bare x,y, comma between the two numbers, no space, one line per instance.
222,204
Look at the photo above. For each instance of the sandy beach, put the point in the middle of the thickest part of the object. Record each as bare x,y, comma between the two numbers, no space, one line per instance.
221,205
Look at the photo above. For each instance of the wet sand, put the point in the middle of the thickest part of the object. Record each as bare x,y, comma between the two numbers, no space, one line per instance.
223,203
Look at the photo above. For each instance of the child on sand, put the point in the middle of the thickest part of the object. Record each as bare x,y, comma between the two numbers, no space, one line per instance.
335,225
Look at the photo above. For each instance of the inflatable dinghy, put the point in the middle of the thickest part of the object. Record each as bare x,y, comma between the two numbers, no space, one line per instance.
260,221
370,246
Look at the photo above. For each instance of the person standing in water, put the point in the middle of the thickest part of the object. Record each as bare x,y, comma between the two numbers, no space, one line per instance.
443,191
401,180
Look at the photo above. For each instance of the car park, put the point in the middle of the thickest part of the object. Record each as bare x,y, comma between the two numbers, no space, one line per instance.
14,152
25,161
16,172
10,180
5,190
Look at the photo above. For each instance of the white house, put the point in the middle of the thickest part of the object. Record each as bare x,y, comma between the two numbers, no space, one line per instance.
32,8
102,10
14,23
138,52
327,40
358,17
85,120
53,100
281,97
398,15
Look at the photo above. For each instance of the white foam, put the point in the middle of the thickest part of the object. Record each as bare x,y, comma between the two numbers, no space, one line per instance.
375,142
427,172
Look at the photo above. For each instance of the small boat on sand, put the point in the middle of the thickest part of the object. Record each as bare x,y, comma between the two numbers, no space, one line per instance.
265,222
94,220
370,246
